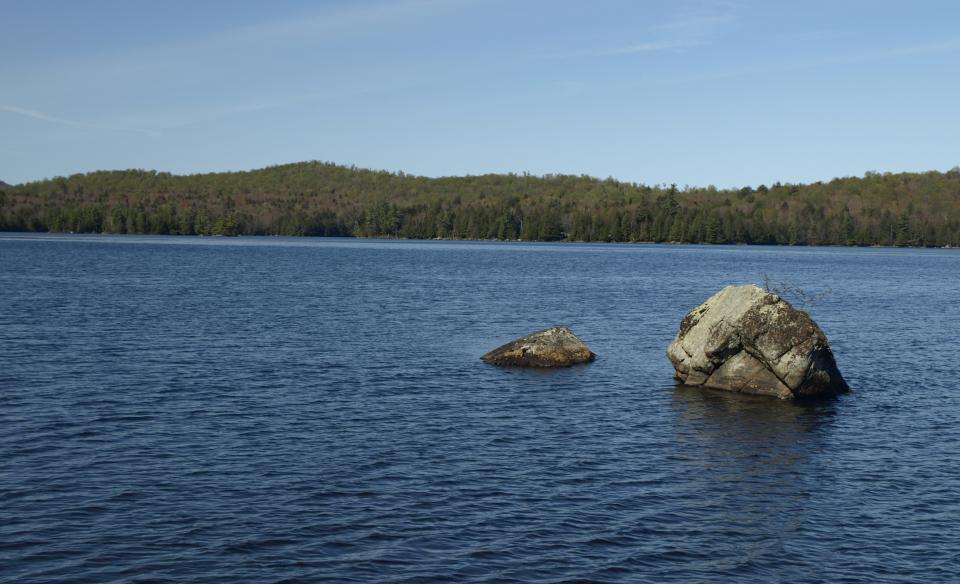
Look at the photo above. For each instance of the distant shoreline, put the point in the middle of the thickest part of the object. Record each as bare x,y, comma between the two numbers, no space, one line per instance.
26,236
328,200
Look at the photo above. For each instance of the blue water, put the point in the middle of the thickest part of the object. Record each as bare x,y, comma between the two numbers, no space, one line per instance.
302,410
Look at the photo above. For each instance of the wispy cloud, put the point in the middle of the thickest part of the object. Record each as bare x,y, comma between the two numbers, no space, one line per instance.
933,48
693,24
170,120
311,26
351,20
810,36
696,23
37,115
191,60
944,46
647,47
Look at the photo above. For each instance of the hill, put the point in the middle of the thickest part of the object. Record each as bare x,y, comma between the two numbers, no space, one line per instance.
323,199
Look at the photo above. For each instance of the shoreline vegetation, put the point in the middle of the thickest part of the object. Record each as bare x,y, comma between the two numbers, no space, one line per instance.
325,199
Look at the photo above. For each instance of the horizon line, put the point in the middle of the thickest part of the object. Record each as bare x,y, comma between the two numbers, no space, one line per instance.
354,167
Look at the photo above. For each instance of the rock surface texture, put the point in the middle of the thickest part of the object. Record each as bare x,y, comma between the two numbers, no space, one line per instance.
553,347
748,340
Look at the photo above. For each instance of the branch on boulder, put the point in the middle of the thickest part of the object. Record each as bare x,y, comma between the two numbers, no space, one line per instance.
797,295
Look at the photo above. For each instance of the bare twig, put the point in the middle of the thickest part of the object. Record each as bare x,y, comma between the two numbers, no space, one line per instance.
800,296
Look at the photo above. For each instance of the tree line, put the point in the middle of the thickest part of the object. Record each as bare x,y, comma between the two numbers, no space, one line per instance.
324,199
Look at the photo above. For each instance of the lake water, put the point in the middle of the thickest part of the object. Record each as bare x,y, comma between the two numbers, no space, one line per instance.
178,409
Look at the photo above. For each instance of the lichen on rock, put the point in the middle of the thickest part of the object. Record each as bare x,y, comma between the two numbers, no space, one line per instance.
552,347
746,339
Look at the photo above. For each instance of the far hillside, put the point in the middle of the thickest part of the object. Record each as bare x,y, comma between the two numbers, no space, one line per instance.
323,199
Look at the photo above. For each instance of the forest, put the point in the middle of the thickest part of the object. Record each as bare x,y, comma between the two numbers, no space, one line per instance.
325,199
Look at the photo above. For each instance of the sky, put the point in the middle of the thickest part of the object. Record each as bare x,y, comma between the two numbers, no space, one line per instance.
693,92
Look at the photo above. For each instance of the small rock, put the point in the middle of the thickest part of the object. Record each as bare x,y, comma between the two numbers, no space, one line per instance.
749,340
553,347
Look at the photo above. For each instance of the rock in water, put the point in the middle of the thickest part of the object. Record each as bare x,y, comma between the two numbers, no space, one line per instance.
748,340
553,347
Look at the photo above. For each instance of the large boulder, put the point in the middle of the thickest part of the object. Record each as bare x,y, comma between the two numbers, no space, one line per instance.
746,339
553,347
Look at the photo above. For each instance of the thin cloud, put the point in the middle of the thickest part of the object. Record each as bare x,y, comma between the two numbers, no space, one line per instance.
250,107
697,23
945,46
191,57
933,48
341,22
694,25
648,47
37,115
310,26
701,18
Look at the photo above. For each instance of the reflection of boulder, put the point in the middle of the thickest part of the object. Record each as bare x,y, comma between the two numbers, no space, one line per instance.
751,464
720,418
748,340
553,347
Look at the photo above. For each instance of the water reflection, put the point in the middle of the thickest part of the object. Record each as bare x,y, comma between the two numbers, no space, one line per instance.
756,459
749,436
741,423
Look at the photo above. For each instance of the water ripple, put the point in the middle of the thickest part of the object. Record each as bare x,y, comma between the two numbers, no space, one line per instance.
299,411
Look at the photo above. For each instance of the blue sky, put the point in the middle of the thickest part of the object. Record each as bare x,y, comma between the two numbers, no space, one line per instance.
698,92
